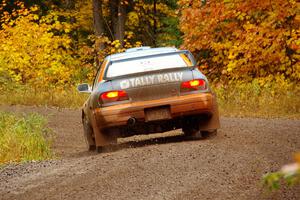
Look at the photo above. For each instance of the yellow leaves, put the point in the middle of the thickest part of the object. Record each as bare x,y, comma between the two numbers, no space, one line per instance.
241,16
138,44
34,8
11,23
132,19
67,30
57,25
33,55
232,55
36,17
129,35
116,43
231,65
248,26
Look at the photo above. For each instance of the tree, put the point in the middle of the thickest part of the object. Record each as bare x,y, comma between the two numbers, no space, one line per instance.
116,29
233,38
151,21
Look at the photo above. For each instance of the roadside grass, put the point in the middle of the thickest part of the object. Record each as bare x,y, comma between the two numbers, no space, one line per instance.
251,100
67,97
235,100
24,138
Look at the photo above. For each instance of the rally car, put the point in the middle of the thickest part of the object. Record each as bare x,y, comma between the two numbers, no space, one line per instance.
147,90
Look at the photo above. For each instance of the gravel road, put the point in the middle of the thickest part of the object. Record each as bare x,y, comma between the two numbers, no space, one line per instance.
162,166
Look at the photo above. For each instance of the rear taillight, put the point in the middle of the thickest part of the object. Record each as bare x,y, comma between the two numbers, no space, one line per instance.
112,96
197,84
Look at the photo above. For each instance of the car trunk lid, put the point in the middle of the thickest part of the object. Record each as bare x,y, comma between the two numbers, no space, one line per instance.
153,85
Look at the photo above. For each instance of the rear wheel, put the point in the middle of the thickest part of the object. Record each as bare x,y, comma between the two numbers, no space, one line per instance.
99,149
191,129
88,135
192,134
206,134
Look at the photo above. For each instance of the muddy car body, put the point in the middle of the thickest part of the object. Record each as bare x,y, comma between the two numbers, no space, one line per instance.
147,90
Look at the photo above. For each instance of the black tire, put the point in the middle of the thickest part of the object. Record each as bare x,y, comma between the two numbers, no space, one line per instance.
88,134
100,149
191,133
206,134
190,129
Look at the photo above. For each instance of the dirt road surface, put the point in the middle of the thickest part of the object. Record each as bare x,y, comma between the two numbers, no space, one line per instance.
164,166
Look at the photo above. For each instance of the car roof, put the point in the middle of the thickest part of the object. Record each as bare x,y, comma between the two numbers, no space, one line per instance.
140,51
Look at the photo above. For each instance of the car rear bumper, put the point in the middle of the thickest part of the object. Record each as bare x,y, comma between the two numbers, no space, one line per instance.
186,105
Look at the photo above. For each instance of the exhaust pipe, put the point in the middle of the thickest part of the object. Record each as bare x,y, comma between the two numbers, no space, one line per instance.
131,121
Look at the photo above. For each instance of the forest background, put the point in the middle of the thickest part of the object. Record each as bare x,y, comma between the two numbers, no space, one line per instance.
250,50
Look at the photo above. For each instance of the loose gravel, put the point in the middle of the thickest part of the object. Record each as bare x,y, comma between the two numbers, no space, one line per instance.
229,165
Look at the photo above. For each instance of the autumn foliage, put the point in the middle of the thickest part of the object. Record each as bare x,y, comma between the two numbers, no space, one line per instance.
50,46
37,50
244,40
250,50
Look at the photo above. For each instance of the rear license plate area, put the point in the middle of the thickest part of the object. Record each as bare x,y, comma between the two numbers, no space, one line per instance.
157,113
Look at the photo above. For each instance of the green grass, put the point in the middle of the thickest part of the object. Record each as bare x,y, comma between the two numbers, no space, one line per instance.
24,138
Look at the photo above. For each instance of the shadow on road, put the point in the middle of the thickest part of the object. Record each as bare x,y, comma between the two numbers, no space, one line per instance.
156,139
152,141
159,140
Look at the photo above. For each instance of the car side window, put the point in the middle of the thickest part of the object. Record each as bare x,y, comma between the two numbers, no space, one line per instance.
99,75
95,80
191,57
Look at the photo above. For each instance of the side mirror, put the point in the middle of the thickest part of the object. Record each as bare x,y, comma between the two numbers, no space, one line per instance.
84,88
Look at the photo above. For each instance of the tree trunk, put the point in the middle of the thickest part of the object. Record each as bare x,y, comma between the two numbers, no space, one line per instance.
113,5
120,31
118,18
99,28
98,18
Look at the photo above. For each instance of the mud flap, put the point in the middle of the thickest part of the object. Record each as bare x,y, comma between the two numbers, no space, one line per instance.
212,123
88,134
100,139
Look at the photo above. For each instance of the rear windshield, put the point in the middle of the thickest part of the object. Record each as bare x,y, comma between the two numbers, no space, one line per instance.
150,63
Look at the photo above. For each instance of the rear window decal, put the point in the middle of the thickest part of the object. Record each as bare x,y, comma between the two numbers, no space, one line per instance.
151,80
